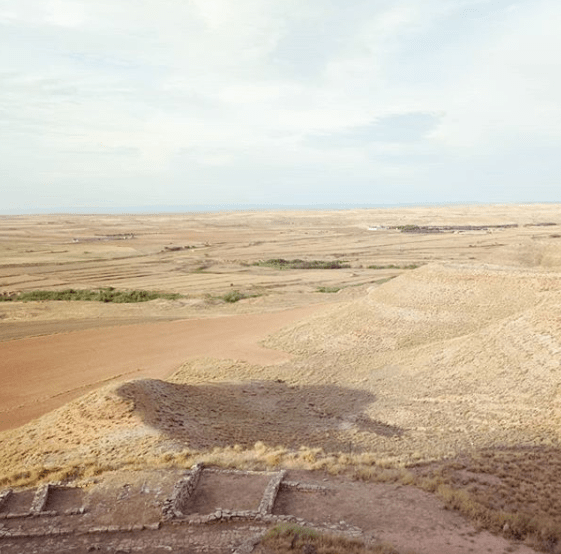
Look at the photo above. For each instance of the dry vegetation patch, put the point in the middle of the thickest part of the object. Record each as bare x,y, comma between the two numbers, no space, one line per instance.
515,491
291,538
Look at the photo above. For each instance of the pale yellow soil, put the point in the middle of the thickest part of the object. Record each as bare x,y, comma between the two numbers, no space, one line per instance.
460,353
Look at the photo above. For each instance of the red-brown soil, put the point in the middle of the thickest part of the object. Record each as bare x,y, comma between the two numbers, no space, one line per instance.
61,367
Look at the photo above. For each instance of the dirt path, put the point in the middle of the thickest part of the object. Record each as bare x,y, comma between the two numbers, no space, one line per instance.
58,368
408,518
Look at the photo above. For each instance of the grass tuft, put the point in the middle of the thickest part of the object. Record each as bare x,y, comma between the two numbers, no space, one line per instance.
288,538
236,295
233,296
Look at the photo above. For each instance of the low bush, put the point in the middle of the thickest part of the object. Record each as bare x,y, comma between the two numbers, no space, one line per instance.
281,263
236,295
107,294
233,296
392,266
328,289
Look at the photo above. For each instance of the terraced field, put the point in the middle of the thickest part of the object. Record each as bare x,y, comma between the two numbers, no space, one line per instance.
198,254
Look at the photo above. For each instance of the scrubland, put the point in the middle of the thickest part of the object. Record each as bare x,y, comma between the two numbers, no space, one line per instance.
434,362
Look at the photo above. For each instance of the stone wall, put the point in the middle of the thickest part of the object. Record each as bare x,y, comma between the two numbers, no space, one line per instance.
40,499
182,492
174,510
270,494
4,495
38,505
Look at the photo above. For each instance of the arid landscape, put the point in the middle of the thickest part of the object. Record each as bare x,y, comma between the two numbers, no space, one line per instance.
413,353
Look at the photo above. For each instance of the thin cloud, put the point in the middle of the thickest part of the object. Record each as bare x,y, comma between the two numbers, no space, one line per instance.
209,101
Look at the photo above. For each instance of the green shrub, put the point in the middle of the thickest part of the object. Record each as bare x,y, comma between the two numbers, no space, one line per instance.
233,296
281,263
107,294
392,266
328,289
408,228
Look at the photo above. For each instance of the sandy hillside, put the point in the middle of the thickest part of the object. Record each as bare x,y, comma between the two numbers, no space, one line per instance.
405,364
457,357
442,359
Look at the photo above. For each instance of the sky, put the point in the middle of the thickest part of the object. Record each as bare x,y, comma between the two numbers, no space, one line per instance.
107,105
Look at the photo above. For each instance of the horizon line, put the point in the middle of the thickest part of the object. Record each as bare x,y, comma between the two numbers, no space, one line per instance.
217,208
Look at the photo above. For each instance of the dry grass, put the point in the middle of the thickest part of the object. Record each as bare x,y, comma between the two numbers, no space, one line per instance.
293,538
513,491
259,457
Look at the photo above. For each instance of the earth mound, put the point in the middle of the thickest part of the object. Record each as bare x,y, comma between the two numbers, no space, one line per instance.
442,359
457,356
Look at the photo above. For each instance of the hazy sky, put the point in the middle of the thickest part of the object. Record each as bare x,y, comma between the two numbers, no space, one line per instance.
120,103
